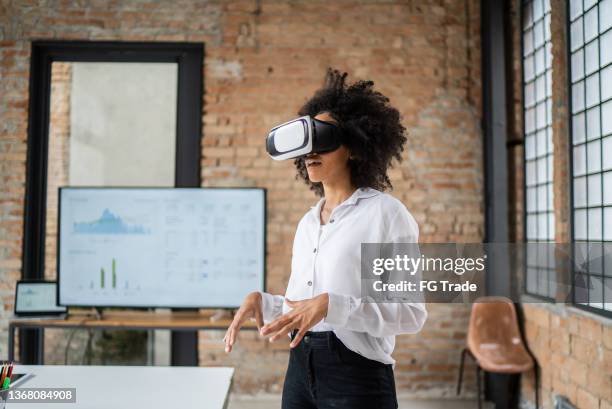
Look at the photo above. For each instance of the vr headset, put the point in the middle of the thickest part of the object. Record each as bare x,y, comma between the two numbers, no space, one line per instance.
302,136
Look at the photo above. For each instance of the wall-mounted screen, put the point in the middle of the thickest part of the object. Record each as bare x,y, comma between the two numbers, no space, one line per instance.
160,247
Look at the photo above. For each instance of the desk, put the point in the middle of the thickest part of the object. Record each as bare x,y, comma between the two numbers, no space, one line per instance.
136,320
133,387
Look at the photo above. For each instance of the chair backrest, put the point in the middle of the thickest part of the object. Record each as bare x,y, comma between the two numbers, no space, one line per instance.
493,321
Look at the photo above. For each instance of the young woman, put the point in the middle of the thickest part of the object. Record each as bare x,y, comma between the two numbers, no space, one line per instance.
341,345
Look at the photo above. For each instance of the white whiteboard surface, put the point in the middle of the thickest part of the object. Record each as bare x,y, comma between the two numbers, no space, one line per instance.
129,387
160,247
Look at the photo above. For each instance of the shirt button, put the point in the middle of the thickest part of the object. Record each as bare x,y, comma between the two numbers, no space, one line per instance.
314,250
331,221
309,283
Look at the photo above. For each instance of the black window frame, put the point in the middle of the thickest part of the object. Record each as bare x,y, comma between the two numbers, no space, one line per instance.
524,134
189,57
574,273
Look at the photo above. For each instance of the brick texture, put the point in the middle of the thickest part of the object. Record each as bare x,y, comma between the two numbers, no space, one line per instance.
263,59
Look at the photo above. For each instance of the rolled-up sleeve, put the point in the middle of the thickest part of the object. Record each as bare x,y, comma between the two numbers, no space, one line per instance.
382,318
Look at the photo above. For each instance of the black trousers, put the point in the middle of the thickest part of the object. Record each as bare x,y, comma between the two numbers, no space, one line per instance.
323,373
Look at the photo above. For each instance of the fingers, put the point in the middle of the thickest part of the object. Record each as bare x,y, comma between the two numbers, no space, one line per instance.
230,337
284,331
276,325
298,338
259,319
232,332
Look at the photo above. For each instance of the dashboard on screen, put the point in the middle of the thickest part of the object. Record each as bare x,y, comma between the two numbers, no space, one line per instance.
160,247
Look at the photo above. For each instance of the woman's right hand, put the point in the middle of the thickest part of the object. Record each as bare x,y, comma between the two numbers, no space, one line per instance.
250,308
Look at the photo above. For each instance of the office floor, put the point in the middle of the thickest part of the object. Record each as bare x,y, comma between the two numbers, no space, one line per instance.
273,402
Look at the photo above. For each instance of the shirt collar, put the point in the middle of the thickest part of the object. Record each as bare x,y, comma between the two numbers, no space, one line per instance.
360,193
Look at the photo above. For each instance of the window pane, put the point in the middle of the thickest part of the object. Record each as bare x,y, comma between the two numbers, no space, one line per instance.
588,4
527,14
595,224
528,68
529,94
549,82
608,223
592,57
550,168
593,123
578,65
540,88
590,24
538,34
530,146
531,199
580,192
596,292
607,186
580,223
594,156
531,227
607,152
541,169
592,90
579,160
528,42
605,15
551,226
578,97
578,128
530,174
606,83
530,120
606,117
532,283
541,115
539,62
575,8
542,226
541,142
606,48
538,10
542,200
549,111
608,294
594,189
576,34
550,197
110,123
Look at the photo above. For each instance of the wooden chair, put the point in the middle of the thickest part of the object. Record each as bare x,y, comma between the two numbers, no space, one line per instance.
495,343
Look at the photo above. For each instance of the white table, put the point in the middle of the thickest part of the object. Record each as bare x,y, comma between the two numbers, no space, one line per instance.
140,387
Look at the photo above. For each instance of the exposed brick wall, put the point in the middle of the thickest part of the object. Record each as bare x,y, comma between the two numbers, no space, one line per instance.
263,59
573,348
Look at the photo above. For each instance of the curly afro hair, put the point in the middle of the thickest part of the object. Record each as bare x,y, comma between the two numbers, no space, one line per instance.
370,126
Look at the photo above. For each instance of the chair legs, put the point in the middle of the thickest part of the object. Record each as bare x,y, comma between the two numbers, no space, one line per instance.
465,351
478,386
536,374
460,379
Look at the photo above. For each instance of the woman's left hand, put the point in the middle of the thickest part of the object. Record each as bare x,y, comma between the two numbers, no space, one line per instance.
304,315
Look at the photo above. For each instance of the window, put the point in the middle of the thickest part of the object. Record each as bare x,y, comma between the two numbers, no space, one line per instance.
105,114
537,110
590,48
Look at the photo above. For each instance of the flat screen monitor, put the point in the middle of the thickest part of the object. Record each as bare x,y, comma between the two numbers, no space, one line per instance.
37,298
160,247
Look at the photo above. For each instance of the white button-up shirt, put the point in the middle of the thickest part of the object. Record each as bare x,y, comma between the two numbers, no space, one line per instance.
327,259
